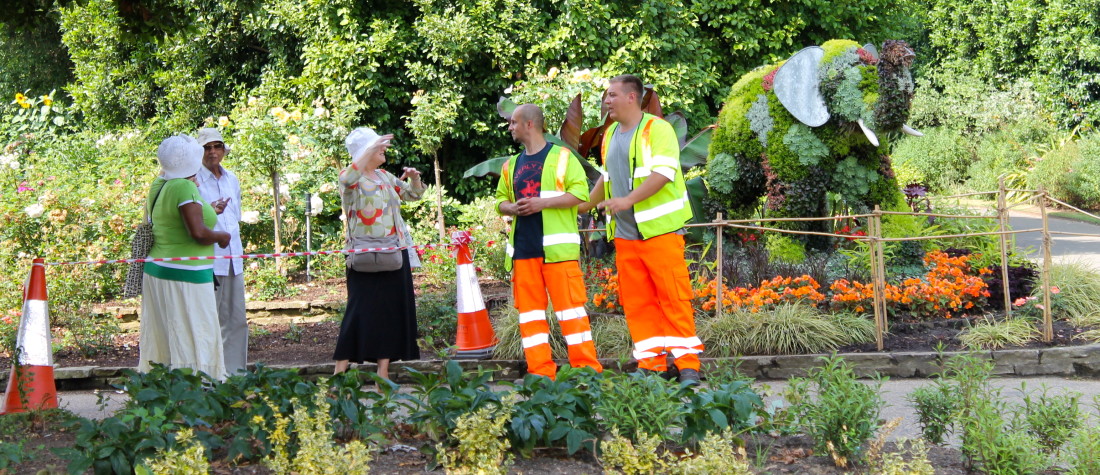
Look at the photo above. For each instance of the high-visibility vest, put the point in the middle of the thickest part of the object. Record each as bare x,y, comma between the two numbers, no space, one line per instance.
669,208
561,241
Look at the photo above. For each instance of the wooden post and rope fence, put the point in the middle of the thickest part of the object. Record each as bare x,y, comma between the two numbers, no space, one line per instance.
876,240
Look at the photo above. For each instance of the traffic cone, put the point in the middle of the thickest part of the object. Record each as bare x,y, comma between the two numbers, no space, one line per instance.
476,339
31,385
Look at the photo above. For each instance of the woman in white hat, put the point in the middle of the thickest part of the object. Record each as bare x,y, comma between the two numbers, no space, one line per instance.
179,316
380,319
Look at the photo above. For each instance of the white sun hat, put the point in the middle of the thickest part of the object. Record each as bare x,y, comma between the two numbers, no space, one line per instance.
210,134
180,156
359,140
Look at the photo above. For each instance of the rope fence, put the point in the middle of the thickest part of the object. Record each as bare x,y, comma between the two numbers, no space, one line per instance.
874,238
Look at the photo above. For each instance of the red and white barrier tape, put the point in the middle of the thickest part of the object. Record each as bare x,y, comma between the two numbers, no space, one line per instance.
250,256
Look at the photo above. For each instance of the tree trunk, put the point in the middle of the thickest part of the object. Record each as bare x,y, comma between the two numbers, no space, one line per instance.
439,200
278,214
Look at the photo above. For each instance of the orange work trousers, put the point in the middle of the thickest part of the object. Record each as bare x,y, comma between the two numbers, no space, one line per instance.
655,291
532,279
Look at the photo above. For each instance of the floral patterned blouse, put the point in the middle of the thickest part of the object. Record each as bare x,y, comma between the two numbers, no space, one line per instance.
370,206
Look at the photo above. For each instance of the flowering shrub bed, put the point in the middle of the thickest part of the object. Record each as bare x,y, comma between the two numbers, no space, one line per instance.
771,292
949,287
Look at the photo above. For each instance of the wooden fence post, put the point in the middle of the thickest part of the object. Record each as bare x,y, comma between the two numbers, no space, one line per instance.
877,271
1002,219
720,260
1048,324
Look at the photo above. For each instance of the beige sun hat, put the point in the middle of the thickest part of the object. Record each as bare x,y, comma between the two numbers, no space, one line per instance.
210,134
180,156
359,140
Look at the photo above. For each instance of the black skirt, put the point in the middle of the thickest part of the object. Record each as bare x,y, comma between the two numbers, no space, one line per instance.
380,319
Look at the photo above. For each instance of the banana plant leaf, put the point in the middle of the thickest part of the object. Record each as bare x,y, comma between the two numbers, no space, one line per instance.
694,152
696,191
680,125
490,167
571,127
505,107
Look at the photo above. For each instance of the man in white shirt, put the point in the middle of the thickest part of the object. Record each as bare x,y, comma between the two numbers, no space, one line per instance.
222,190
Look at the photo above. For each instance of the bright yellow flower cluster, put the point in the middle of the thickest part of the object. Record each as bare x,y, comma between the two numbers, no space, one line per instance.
21,100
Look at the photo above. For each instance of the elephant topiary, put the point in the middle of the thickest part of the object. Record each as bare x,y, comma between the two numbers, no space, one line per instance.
810,135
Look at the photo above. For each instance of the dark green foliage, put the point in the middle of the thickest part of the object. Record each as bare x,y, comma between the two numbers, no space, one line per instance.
162,402
732,405
438,400
558,412
1053,44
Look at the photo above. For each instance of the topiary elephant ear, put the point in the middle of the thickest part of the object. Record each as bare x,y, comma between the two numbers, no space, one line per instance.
796,87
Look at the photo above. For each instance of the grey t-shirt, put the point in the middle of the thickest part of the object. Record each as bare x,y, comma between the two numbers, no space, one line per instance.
618,167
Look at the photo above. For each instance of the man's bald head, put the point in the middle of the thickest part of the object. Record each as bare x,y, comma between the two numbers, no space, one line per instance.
532,113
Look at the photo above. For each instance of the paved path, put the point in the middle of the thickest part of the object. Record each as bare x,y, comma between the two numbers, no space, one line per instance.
1084,249
87,403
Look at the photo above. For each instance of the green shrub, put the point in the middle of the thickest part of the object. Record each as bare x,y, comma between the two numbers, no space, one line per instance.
265,282
936,405
939,159
998,446
438,400
620,455
1083,183
733,406
1080,452
1051,164
843,415
1052,419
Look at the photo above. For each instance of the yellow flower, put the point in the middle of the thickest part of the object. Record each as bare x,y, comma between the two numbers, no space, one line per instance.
46,101
25,105
19,97
552,73
296,116
223,121
257,420
280,114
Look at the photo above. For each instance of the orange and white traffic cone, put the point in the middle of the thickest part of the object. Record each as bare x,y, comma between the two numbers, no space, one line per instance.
476,339
31,384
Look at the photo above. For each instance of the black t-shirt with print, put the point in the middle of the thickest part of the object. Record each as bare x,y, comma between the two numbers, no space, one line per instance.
527,182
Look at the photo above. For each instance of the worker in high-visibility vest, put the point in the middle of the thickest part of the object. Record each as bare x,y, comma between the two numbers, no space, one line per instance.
643,192
541,187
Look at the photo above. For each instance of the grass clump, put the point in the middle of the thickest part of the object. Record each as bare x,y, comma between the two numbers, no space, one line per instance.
1078,297
788,328
991,334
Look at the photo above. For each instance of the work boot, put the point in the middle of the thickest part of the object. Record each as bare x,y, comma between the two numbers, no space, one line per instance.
689,374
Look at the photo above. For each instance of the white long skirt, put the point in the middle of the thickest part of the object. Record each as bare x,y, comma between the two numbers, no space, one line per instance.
179,327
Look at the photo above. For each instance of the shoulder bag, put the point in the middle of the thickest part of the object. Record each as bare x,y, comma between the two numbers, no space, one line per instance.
140,246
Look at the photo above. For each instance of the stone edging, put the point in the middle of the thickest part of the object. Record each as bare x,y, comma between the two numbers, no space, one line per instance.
1080,361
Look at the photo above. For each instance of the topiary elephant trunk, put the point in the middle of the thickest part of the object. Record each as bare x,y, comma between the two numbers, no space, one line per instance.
808,135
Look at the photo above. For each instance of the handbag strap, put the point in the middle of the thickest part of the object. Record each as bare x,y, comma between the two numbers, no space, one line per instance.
149,210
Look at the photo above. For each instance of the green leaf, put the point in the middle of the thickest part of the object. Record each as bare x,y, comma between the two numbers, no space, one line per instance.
695,152
505,107
680,125
490,167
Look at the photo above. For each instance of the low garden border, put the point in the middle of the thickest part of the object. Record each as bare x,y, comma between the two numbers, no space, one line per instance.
1072,361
